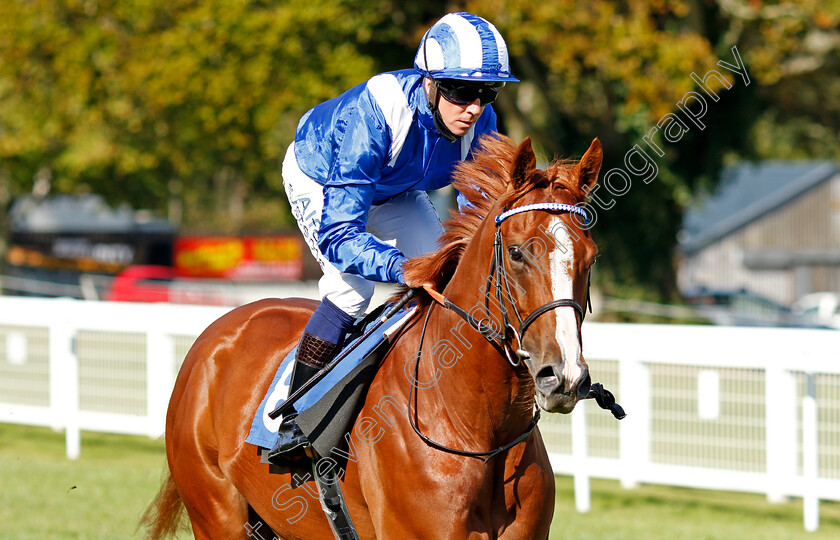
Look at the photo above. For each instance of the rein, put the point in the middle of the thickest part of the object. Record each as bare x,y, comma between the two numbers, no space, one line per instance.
487,455
498,340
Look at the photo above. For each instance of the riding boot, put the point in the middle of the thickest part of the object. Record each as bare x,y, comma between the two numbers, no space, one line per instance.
312,355
320,342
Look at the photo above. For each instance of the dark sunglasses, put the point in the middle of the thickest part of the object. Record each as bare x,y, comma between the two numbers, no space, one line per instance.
463,94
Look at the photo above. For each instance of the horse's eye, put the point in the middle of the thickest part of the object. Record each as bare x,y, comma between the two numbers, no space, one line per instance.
515,253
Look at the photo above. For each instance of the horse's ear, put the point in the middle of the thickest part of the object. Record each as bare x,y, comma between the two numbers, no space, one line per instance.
524,164
589,165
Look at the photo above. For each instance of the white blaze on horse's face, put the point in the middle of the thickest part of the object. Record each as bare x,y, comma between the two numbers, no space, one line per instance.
561,261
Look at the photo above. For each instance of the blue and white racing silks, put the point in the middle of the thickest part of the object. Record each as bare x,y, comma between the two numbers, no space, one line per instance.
371,143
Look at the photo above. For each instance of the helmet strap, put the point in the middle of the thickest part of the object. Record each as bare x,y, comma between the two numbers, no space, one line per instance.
434,100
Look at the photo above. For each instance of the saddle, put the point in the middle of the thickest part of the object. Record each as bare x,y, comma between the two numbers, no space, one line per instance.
328,410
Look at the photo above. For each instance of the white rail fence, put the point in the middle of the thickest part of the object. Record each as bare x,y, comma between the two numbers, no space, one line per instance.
730,408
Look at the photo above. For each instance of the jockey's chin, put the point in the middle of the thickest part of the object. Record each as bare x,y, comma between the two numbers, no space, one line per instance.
459,128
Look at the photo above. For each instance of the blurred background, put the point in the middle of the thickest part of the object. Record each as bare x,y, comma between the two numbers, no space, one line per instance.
128,129
140,151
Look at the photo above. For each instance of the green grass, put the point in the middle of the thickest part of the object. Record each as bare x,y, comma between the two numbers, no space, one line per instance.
99,496
44,496
669,513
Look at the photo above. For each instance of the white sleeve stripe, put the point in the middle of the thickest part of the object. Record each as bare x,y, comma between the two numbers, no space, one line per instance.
389,95
466,142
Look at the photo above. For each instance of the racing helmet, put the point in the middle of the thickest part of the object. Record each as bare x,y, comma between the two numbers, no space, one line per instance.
464,47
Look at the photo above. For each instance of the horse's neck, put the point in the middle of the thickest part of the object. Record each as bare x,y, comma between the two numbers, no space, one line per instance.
475,383
476,388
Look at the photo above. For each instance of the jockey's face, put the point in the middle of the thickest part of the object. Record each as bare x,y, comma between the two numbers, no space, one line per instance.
457,118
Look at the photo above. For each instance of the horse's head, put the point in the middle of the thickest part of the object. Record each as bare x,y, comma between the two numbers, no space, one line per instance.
546,255
526,226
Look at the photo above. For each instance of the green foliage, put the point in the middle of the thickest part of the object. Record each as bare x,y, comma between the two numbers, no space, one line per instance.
126,97
194,103
611,69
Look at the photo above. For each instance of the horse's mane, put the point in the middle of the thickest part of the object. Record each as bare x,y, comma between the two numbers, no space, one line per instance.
485,181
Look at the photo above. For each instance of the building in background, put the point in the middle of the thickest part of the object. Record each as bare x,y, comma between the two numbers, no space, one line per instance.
79,247
771,229
54,241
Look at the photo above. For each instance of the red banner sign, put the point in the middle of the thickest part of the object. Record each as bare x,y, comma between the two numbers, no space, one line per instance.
242,258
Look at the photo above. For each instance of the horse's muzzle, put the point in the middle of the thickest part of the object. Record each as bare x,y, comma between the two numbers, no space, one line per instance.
556,394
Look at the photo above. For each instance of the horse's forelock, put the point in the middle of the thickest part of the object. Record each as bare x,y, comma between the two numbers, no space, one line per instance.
563,174
485,182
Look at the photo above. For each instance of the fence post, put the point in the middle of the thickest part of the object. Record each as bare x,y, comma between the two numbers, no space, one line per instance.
57,373
634,430
810,456
580,458
73,434
780,431
160,374
64,384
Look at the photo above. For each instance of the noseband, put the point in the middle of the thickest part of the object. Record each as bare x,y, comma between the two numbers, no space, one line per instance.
499,277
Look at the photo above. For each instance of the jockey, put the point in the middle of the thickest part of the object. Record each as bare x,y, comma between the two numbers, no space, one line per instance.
357,173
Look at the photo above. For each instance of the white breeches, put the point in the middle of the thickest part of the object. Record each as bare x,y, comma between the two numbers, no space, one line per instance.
408,221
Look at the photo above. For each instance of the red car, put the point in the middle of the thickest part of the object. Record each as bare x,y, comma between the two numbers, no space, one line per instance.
146,283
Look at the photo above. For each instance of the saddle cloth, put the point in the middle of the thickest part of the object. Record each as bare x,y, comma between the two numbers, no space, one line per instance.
328,409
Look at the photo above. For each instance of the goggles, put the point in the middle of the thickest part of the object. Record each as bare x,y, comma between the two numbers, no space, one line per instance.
461,93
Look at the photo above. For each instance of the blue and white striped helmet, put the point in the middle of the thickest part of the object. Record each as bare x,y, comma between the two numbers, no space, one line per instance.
465,47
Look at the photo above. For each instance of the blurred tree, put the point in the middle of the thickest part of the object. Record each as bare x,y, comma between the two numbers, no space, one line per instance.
611,69
190,105
793,48
135,98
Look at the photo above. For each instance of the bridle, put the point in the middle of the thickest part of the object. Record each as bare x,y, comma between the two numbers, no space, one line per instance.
499,276
498,279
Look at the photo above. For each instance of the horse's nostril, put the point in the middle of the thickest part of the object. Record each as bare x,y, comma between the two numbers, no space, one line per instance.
583,386
546,379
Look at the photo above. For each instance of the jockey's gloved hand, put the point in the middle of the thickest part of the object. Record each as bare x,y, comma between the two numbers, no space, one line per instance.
407,282
400,276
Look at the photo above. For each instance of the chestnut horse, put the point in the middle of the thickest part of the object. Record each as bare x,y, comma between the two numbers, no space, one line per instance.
469,392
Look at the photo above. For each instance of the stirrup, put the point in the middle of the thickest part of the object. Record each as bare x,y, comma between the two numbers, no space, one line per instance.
291,443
